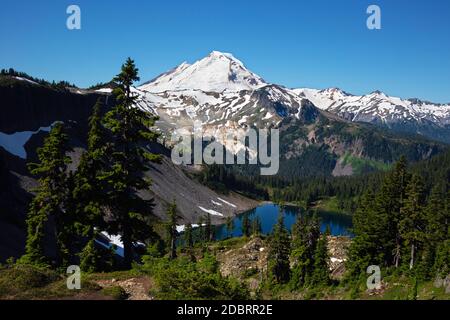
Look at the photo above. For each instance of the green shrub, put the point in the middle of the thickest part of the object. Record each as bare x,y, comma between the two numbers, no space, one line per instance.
116,292
184,279
19,278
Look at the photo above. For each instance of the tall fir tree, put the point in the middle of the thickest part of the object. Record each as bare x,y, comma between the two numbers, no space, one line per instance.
437,218
412,220
388,205
189,241
229,226
172,229
50,200
279,250
313,233
321,272
256,226
201,229
129,158
246,227
369,228
89,193
300,253
209,228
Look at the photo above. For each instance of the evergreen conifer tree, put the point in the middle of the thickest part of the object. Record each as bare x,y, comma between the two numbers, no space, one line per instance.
201,229
209,229
172,229
321,273
50,199
367,246
130,131
437,217
188,239
279,250
388,204
256,226
412,223
300,253
89,193
229,226
246,227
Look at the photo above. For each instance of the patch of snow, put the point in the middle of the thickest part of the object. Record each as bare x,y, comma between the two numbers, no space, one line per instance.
15,143
268,116
27,80
113,240
104,90
181,228
243,120
228,203
211,212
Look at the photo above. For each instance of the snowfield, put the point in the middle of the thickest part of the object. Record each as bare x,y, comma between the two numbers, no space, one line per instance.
217,72
15,143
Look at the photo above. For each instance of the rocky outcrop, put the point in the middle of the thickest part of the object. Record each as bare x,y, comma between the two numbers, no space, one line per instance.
247,263
337,250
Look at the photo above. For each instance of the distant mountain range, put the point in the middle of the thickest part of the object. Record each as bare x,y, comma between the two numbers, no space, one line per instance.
327,127
413,115
218,88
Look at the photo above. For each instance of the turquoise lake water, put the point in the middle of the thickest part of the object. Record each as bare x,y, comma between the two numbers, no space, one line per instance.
268,215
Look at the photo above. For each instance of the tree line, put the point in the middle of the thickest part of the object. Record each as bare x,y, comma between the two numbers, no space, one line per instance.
348,190
57,85
402,227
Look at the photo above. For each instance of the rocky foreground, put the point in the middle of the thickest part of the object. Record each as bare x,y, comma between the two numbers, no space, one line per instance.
249,262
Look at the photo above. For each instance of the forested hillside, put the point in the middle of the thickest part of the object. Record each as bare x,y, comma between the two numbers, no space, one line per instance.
305,191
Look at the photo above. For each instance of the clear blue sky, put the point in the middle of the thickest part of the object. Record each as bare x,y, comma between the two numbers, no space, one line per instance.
295,43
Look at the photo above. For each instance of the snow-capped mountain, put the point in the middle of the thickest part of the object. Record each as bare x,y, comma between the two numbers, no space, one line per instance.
412,115
219,91
217,72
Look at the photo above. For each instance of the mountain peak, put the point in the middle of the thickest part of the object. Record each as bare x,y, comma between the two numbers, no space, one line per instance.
223,55
216,53
378,93
334,90
216,72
